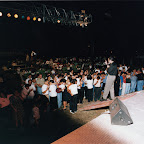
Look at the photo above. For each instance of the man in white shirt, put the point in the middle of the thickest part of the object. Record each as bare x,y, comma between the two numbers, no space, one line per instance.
45,89
29,78
40,82
89,83
53,96
32,90
73,90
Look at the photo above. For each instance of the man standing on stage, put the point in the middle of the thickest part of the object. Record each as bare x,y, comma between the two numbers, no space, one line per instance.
112,72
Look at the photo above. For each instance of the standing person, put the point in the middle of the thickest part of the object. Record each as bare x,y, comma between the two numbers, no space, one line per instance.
121,82
139,80
45,89
16,104
32,90
79,88
133,81
97,89
73,90
112,72
117,85
128,83
124,83
89,83
104,78
60,89
40,82
65,93
53,96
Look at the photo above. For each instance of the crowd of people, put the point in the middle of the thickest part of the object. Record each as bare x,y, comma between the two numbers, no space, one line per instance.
62,83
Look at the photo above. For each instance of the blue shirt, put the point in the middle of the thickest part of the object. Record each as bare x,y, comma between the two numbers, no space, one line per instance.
104,80
133,78
83,84
121,78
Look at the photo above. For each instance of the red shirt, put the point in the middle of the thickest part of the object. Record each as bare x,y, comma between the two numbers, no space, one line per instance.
124,79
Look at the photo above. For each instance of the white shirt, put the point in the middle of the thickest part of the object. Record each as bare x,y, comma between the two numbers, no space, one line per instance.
78,83
62,86
52,91
89,84
24,92
31,94
44,87
26,81
73,88
85,80
98,84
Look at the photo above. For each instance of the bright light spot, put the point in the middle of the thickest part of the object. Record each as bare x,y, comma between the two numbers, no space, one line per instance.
8,15
28,18
58,21
34,18
0,13
39,19
16,15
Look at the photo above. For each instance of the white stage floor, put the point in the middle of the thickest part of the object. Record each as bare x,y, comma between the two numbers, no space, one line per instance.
100,130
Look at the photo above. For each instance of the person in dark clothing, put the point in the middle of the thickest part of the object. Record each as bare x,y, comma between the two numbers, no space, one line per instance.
117,85
112,72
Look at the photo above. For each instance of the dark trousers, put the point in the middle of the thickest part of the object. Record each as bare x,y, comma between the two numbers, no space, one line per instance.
90,94
85,88
97,93
80,95
73,103
53,103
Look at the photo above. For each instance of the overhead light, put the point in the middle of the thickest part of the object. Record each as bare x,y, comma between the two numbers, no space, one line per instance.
8,15
34,18
39,19
28,18
0,13
22,17
58,21
16,15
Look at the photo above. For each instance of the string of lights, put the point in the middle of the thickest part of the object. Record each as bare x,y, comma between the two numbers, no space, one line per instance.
44,13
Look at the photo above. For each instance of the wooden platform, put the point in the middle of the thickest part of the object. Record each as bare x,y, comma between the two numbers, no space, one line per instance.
100,130
99,104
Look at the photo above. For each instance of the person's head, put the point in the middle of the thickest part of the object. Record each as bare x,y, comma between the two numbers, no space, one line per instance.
30,76
51,82
119,72
40,76
34,80
139,71
98,77
111,59
46,81
27,86
16,93
89,77
123,73
30,82
73,81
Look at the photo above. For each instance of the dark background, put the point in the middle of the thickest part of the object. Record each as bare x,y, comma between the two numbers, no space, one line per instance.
117,28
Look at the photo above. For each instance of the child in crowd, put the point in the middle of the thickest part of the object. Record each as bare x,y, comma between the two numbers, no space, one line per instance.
97,84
